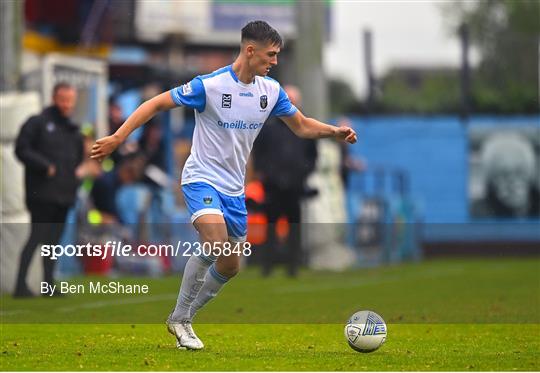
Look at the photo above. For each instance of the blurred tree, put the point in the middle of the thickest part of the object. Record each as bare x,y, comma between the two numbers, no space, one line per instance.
419,90
506,33
342,98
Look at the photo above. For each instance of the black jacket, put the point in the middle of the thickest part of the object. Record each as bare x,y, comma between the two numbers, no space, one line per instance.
50,139
283,159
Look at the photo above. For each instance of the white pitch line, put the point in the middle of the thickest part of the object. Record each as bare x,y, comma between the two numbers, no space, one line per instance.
119,302
101,304
13,312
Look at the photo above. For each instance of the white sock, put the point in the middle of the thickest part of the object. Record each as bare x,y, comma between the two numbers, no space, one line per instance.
213,282
192,281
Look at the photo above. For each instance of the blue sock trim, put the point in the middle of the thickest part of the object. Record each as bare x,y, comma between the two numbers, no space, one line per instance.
215,274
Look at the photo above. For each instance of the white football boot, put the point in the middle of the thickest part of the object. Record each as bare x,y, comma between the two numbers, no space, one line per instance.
185,336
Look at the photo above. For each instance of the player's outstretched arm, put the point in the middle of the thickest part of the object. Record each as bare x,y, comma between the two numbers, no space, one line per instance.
106,145
310,128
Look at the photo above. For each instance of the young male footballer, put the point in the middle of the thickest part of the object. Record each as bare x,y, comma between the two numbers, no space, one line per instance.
231,105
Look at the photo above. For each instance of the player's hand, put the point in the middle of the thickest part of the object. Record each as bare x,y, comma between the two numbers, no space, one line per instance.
104,147
347,134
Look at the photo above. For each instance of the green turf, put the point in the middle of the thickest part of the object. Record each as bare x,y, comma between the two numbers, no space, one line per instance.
443,291
443,315
269,347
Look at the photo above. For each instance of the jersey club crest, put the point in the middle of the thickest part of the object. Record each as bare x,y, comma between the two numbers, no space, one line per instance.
264,101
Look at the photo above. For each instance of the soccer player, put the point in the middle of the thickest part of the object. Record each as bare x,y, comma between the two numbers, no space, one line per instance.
231,104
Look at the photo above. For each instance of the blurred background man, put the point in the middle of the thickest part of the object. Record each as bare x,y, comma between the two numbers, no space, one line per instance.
283,161
51,147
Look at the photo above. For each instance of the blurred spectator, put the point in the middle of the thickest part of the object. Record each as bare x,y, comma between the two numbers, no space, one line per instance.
348,163
283,172
116,119
152,145
51,147
87,171
158,184
106,187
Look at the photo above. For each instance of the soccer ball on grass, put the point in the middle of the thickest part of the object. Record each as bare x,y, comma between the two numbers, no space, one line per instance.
365,331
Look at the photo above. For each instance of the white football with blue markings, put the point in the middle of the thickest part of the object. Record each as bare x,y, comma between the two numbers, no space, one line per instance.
365,331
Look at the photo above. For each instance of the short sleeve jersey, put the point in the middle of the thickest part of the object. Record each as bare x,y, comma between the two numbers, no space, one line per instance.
229,115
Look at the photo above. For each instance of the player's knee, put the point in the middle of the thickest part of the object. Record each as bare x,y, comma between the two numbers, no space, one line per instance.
231,270
214,238
228,269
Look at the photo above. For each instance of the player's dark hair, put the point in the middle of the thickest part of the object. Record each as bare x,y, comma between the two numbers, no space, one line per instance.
61,85
261,32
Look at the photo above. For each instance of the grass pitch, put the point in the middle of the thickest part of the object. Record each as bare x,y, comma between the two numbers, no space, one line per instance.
441,315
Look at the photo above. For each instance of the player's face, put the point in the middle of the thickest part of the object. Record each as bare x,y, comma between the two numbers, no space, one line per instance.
263,58
65,100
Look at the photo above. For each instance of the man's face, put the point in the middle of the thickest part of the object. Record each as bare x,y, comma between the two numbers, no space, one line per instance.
511,185
263,57
115,113
65,100
132,170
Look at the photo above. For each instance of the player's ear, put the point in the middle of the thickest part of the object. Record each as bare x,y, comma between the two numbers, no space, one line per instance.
250,50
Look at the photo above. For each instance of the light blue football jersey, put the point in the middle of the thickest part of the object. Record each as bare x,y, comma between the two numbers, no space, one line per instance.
229,115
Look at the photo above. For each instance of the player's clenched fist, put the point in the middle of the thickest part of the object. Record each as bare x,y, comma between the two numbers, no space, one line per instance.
104,146
346,134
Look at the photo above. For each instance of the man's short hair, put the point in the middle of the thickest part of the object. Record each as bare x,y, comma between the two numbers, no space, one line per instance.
62,85
261,32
